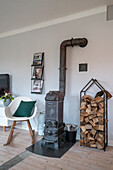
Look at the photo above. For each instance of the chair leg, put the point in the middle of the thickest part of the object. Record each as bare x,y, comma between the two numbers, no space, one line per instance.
4,128
11,133
31,131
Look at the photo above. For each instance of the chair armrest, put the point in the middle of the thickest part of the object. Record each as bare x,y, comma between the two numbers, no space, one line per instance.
7,112
34,112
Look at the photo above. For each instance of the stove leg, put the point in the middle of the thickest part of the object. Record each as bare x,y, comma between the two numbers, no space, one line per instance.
57,145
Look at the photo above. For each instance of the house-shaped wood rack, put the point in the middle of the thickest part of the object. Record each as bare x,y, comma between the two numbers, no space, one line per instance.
93,116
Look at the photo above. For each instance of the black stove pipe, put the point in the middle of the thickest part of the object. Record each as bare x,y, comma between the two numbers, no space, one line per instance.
82,42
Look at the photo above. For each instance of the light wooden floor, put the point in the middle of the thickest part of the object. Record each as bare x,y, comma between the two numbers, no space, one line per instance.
76,158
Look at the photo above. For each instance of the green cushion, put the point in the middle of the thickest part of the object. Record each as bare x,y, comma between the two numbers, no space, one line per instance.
24,109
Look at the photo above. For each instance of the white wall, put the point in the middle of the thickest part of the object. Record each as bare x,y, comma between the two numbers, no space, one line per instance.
16,56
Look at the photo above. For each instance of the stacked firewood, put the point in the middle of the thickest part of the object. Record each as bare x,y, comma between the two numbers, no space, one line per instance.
92,121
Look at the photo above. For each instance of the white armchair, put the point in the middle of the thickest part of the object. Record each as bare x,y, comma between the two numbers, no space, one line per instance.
10,110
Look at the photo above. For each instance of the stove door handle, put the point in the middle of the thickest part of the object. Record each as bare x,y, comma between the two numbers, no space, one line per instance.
49,132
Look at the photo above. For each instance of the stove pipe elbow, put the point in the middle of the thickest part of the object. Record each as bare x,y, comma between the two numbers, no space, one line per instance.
81,42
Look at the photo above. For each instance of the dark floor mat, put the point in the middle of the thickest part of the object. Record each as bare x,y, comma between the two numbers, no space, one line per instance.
48,149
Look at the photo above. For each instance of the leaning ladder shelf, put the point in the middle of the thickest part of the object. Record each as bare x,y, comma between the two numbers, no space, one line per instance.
37,74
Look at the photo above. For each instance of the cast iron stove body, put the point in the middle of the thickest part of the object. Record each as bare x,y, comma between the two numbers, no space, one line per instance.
54,128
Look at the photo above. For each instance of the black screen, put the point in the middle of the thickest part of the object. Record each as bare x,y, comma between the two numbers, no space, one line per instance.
4,81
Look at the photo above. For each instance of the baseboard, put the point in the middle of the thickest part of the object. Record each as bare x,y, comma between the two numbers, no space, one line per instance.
110,142
78,137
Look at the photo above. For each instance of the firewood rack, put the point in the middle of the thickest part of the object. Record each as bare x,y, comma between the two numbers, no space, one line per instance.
103,93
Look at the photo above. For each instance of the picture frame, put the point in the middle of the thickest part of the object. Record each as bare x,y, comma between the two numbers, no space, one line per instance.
37,72
37,86
38,58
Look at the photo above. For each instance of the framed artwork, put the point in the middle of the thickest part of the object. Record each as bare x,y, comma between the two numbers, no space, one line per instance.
37,72
37,86
38,59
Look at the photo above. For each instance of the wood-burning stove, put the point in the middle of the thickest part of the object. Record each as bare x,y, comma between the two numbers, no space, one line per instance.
54,127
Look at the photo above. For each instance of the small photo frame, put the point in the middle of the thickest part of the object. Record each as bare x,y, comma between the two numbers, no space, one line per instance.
37,72
38,59
37,86
83,67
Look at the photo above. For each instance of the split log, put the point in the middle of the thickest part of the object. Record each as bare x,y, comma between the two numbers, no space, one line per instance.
89,106
101,110
101,127
88,126
101,122
83,135
86,140
93,111
91,116
94,108
86,132
93,145
100,145
100,114
88,135
101,105
92,123
83,103
88,110
81,142
101,135
87,98
97,135
86,119
91,138
81,118
101,140
96,127
83,113
93,101
83,128
82,108
98,99
93,132
94,104
95,120
92,142
101,118
87,144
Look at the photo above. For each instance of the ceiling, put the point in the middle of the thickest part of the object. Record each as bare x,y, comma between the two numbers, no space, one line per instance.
16,14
